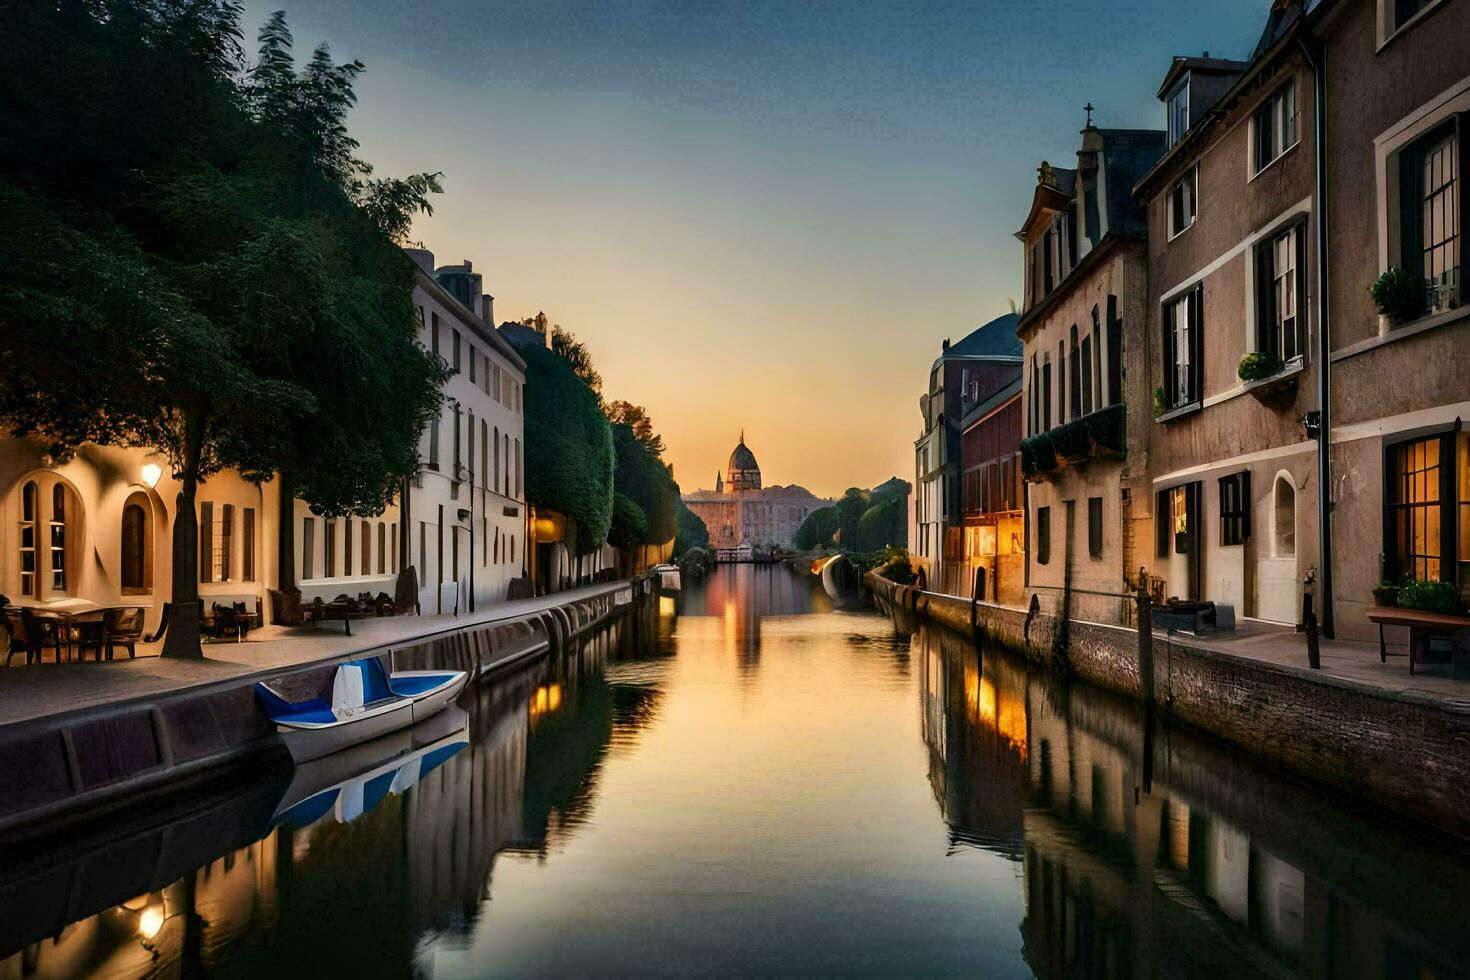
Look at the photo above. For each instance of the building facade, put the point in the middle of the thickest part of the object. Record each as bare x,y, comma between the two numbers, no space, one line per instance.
994,496
1396,117
964,375
1083,328
743,515
464,528
1232,267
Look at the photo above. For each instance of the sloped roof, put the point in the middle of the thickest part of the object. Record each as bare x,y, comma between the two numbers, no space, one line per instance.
994,339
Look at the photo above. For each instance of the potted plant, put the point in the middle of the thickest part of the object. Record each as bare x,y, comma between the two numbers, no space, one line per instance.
1399,296
1385,594
1439,597
1258,365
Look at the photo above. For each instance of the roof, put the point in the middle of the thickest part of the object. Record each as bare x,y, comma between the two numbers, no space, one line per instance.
485,331
1009,393
994,339
1129,154
742,458
1203,66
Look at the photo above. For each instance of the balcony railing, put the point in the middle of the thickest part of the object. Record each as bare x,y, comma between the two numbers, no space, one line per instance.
1098,435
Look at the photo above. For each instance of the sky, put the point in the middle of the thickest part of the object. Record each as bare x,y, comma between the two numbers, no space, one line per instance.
758,216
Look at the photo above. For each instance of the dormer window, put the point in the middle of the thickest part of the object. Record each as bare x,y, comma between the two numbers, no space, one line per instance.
1178,108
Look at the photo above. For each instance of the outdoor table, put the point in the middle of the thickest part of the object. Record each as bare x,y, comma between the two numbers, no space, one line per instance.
68,614
1421,623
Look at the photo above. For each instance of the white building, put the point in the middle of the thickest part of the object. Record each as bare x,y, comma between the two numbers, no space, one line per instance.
465,529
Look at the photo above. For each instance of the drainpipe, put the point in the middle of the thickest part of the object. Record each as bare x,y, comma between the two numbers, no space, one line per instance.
1312,50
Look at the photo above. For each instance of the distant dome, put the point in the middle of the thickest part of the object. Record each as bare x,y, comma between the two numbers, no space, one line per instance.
743,473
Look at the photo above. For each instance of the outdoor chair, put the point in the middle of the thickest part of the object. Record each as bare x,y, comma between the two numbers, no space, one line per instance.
88,634
18,639
231,619
42,632
122,628
287,610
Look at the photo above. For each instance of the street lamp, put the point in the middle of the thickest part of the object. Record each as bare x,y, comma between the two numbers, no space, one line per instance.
152,473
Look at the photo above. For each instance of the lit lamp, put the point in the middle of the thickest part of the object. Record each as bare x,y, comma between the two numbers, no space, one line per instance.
152,473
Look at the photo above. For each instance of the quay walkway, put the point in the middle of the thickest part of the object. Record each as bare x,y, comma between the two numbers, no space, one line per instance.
36,691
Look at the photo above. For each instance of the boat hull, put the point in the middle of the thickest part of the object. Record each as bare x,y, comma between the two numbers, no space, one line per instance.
306,744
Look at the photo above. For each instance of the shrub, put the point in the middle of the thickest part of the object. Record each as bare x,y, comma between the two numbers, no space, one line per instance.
1258,365
1398,293
1038,455
1439,597
895,566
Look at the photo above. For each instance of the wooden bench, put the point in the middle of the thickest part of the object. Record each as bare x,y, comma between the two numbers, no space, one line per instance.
1422,625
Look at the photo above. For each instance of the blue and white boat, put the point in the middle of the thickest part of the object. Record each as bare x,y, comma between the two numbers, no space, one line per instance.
366,702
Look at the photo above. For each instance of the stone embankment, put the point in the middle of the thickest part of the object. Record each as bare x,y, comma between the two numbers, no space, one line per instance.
83,763
1405,750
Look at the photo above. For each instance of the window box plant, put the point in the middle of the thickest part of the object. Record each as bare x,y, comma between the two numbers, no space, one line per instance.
1159,404
1267,377
1399,295
1038,457
1439,597
1385,595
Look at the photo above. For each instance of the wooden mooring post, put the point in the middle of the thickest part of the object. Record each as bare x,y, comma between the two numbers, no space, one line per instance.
1145,646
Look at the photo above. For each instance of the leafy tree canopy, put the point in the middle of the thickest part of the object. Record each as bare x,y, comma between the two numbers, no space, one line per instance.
194,260
629,527
568,448
691,531
565,343
636,417
647,482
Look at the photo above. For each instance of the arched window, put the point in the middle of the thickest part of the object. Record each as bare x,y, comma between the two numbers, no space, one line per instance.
1283,541
496,485
136,577
29,505
57,537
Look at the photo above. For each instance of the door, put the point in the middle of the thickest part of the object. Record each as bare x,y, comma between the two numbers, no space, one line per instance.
1278,584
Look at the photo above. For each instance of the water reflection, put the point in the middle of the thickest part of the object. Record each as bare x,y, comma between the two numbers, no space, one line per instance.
1198,863
740,599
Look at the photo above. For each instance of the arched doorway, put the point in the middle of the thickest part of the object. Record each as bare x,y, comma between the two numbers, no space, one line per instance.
1278,585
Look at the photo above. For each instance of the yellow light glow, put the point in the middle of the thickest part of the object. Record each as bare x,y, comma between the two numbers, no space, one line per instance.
150,921
152,473
666,606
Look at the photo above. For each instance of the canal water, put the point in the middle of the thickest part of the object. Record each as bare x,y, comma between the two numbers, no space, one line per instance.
748,780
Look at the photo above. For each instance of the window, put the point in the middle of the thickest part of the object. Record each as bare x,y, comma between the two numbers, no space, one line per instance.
1046,393
382,548
518,468
1235,513
1402,11
308,548
1115,354
58,537
505,448
434,333
1094,527
1178,111
29,508
1175,518
470,438
1043,535
1182,350
247,550
484,453
1415,518
347,546
329,539
474,362
1033,420
365,562
423,547
1273,127
1432,212
454,473
134,577
1087,375
496,444
434,443
1074,378
206,541
1280,283
496,383
1182,202
456,351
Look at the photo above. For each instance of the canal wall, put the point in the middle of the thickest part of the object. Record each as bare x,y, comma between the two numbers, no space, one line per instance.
88,763
1405,750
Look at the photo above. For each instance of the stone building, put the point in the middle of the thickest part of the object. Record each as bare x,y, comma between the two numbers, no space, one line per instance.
1083,329
964,375
1231,267
741,514
1396,124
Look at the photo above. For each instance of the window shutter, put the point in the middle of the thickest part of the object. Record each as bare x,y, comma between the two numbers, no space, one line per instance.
1163,523
1167,346
1191,517
1246,504
1266,299
1115,353
1197,343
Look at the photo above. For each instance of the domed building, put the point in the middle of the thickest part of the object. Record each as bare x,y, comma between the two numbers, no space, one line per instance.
744,516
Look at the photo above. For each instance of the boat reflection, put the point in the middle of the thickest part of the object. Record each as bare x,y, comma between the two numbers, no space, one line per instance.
1148,851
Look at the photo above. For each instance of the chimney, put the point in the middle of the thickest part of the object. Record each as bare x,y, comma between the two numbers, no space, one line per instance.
487,308
422,257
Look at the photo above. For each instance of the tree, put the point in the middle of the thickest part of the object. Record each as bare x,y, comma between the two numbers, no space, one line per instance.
565,343
647,482
629,527
192,260
569,448
636,418
691,531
